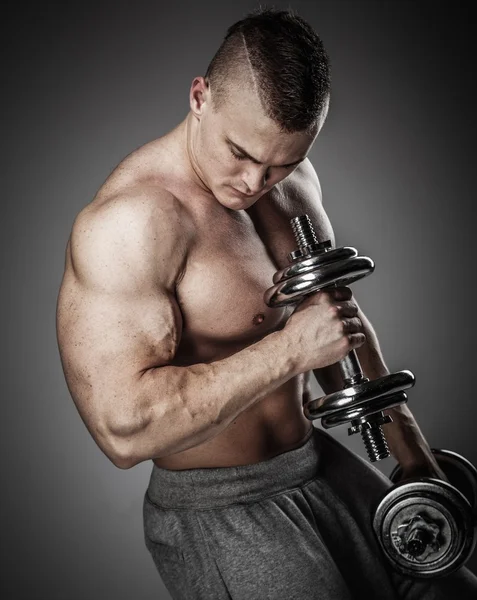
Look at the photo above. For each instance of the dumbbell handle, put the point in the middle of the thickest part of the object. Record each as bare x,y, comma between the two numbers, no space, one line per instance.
351,369
306,239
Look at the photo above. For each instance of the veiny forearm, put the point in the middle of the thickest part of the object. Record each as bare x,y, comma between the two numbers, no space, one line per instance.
405,440
181,407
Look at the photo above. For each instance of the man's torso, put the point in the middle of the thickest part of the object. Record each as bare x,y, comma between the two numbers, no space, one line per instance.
220,295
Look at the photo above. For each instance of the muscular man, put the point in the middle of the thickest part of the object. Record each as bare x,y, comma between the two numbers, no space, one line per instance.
171,355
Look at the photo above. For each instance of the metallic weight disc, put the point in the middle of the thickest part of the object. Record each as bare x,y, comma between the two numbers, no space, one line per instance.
358,394
342,272
460,472
425,528
305,265
359,412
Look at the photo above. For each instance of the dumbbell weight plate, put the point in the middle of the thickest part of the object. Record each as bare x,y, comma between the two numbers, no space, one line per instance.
359,394
429,512
305,265
460,472
343,272
355,413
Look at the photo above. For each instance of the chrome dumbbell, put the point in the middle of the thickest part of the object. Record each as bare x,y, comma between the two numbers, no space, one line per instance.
316,266
427,527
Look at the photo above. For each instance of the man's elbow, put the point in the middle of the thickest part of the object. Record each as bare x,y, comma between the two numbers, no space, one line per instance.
117,449
122,455
122,441
122,462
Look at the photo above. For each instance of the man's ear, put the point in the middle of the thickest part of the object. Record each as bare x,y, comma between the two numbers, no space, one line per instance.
199,96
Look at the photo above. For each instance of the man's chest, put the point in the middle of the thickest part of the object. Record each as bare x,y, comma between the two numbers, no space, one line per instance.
221,292
228,271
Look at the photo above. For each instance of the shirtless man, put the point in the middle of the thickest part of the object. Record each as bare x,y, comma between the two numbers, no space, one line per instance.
171,355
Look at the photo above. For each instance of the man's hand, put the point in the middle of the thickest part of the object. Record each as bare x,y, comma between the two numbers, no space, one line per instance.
324,328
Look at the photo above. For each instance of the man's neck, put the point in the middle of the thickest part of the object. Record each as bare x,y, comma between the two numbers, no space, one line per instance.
187,141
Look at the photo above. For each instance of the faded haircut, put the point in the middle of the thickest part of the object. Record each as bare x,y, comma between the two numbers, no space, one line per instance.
280,55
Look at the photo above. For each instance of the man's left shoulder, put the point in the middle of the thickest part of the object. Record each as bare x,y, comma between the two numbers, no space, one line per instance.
302,186
300,194
297,195
305,173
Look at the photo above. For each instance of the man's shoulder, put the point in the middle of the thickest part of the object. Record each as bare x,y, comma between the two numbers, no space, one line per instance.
302,182
300,191
138,186
300,194
142,224
138,208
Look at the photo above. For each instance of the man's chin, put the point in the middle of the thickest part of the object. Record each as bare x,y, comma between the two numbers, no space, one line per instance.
231,198
234,203
244,200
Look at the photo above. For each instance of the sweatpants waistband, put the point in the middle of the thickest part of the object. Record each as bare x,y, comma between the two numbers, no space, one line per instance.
220,486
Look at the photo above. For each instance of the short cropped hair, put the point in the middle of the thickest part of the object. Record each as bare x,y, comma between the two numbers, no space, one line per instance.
283,57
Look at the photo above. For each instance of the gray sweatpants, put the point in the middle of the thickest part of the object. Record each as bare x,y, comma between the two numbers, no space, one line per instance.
295,527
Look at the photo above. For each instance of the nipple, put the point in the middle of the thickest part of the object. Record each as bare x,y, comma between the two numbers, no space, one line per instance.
259,318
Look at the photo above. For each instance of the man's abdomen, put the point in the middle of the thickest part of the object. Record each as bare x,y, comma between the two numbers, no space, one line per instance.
273,425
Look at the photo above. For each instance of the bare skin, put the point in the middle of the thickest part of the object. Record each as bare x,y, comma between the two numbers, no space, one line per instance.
168,348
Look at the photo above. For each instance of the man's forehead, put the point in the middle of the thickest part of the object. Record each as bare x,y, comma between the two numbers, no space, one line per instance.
267,138
244,123
245,120
290,156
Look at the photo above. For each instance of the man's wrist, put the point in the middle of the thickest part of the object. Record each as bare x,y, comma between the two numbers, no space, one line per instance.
289,348
405,439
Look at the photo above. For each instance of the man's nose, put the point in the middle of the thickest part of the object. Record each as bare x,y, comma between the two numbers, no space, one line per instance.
255,178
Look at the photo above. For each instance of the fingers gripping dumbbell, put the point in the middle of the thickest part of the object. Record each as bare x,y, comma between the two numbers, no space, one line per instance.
427,527
316,266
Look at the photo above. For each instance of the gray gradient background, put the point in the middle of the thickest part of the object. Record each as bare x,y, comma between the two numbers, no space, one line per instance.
87,84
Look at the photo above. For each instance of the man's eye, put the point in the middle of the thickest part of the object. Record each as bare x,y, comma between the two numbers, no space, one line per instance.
237,156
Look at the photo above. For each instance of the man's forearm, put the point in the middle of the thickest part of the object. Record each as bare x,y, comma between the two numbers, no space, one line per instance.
178,408
405,440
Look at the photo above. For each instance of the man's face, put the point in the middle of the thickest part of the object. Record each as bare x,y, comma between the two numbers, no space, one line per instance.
241,153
